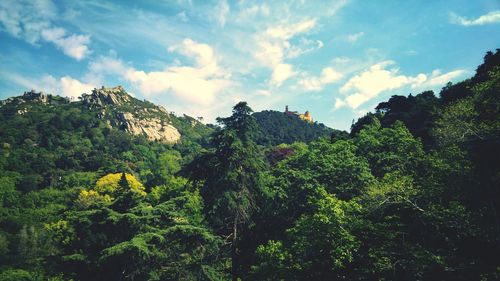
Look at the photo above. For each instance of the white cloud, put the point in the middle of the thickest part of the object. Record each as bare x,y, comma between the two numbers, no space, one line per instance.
263,93
102,66
371,82
489,18
26,19
288,31
341,60
313,83
438,79
379,78
203,53
73,88
329,75
334,7
270,53
195,84
354,37
281,72
305,46
74,46
356,100
65,86
339,103
32,21
273,47
183,83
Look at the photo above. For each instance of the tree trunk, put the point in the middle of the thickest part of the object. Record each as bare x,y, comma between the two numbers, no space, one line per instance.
234,276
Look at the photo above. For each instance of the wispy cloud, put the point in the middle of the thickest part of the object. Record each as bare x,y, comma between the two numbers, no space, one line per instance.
221,12
182,16
354,37
273,47
314,83
26,19
33,22
288,31
103,66
18,79
304,46
249,13
489,18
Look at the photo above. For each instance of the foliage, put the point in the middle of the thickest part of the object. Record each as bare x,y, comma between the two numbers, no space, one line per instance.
231,176
412,194
108,184
276,128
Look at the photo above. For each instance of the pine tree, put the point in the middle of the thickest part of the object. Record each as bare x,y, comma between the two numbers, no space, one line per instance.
232,177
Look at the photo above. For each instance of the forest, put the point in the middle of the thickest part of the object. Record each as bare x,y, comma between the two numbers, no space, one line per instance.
412,192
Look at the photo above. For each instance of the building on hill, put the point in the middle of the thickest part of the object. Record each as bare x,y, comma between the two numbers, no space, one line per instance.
306,116
35,96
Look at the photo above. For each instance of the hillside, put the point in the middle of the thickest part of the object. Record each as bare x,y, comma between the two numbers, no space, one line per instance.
114,188
46,136
277,128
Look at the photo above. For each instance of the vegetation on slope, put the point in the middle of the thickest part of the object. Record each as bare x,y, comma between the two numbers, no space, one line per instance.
412,194
277,128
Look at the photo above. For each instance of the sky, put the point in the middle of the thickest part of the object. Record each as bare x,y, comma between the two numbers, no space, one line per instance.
335,58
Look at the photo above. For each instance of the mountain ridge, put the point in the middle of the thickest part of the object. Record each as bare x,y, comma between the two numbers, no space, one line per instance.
117,109
120,110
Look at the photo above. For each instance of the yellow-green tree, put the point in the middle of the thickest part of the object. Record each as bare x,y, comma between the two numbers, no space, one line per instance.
110,182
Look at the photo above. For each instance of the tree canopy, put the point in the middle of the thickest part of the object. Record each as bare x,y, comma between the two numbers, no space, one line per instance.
412,193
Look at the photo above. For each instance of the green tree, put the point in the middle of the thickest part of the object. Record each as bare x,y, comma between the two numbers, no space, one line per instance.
389,149
231,176
317,247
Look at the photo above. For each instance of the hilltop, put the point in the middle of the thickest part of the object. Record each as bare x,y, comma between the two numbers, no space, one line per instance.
280,127
46,138
117,109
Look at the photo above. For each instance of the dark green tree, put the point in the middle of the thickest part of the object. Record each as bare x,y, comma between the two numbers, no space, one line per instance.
231,176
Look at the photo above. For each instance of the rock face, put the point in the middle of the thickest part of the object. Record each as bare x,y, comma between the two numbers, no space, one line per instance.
106,96
154,128
35,97
131,115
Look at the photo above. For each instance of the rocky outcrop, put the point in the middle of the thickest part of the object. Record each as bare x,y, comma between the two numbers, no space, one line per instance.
154,128
131,115
33,97
106,96
115,107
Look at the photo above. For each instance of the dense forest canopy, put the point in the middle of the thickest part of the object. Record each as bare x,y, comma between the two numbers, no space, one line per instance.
412,193
276,128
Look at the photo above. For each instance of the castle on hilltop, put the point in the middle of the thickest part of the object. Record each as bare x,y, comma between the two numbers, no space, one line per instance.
306,116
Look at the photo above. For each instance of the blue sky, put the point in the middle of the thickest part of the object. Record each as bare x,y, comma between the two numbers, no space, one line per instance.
337,58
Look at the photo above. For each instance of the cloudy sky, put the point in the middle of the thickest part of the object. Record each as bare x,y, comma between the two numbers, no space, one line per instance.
335,58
